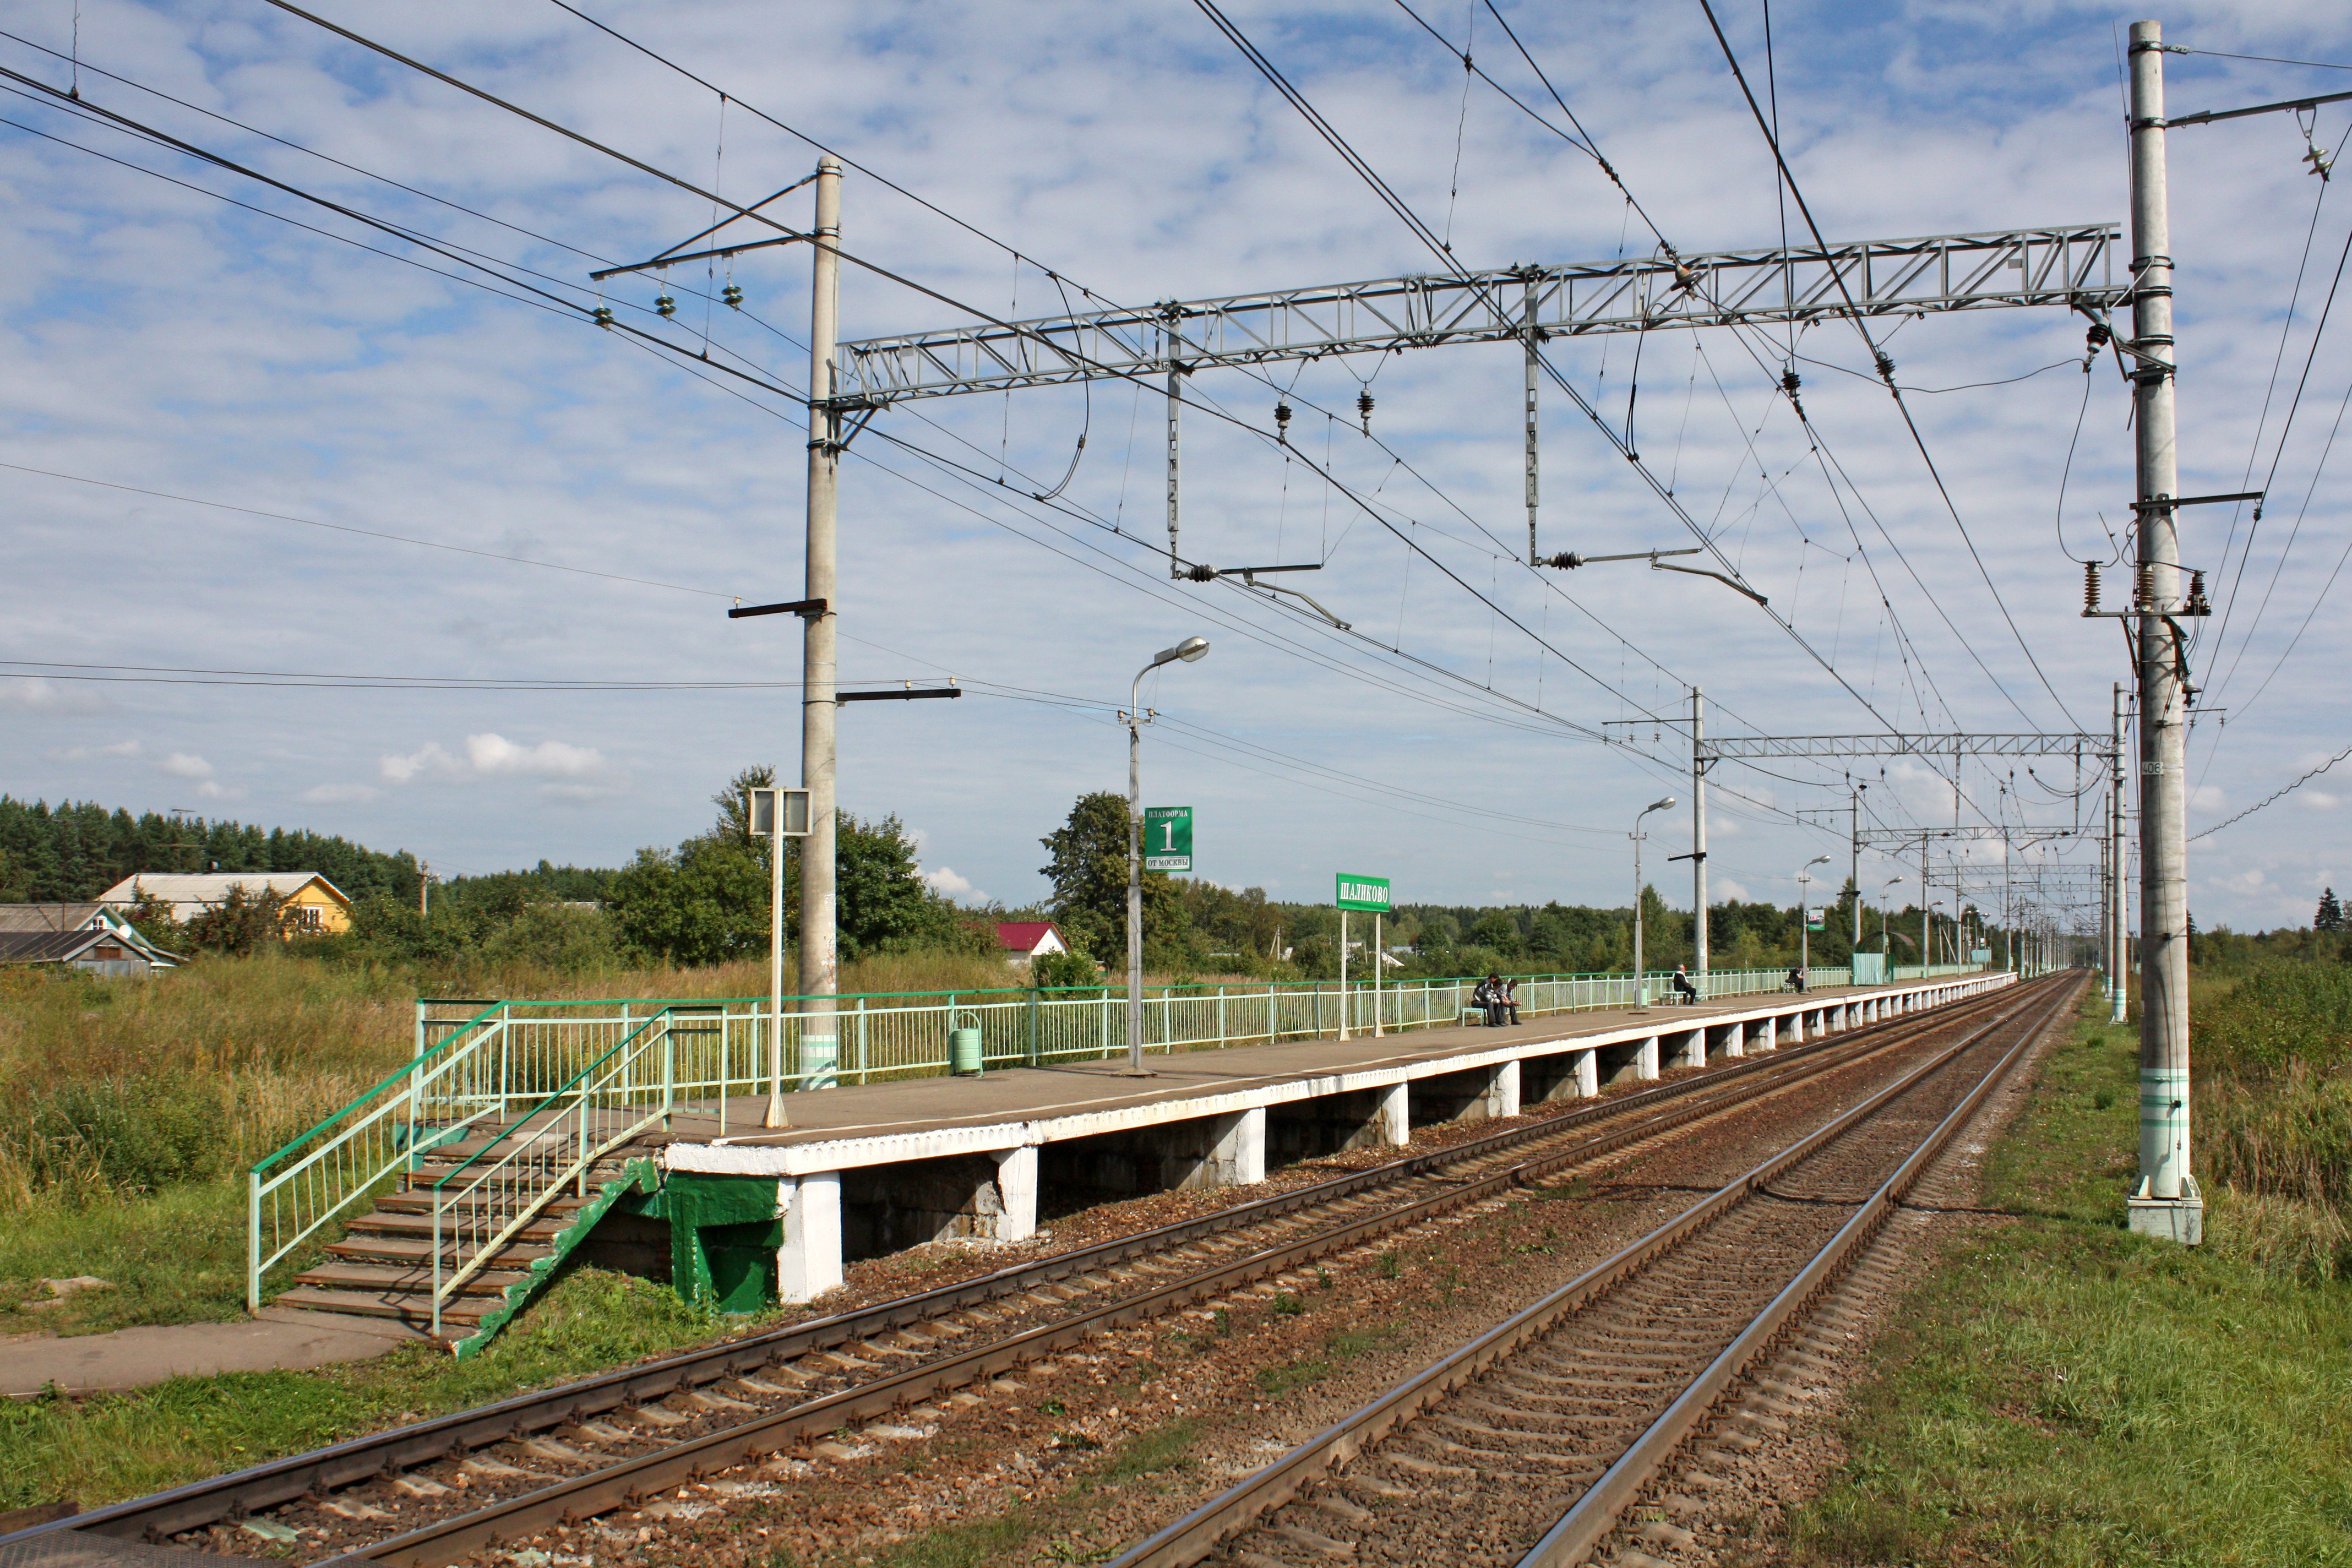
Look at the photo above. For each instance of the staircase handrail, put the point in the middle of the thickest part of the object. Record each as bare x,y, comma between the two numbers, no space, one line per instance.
445,1282
269,1175
404,1071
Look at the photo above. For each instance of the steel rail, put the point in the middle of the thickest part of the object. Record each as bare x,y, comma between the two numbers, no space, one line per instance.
1200,1532
361,1459
1597,1513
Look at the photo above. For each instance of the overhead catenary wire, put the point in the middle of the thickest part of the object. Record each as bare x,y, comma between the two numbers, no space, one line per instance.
1886,365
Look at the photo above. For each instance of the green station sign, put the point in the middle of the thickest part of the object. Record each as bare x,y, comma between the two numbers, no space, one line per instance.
1359,892
1168,839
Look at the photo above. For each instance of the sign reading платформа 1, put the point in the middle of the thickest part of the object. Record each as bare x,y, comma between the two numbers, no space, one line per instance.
1363,893
1168,839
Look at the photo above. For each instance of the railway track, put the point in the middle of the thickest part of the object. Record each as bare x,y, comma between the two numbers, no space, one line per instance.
431,1492
1547,1428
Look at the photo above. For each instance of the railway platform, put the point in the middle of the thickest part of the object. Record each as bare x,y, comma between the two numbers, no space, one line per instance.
870,1169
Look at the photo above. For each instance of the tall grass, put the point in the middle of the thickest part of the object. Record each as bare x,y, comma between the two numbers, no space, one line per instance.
2273,1112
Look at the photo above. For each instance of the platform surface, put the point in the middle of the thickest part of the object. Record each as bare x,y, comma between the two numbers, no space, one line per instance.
1005,1095
281,1338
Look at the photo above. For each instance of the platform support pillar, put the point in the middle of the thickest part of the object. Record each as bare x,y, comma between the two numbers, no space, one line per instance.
1648,1066
1588,1073
1393,1114
1237,1148
1016,1191
1503,1091
809,1263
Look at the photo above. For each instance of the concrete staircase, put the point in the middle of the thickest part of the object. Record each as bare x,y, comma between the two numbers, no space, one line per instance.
383,1265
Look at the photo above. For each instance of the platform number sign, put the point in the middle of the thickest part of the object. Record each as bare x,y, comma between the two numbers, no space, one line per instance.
1357,892
1168,839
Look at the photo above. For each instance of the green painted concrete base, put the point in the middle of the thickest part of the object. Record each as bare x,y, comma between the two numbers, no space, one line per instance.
723,1235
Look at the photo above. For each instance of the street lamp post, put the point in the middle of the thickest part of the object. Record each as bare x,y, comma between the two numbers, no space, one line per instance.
1189,650
1641,986
1805,919
1886,939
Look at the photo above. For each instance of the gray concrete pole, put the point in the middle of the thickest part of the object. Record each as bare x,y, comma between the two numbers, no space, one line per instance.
1698,838
1134,886
2167,1200
1640,995
2119,901
1854,859
820,666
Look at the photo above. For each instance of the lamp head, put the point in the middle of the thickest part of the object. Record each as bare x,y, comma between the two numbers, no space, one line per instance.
1189,650
1817,860
1658,806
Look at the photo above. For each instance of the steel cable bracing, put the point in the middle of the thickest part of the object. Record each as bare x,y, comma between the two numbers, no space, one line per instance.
891,275
2278,453
1878,355
651,341
885,273
414,237
1421,231
1589,146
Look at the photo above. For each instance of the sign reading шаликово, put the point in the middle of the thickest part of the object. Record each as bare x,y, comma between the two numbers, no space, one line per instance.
1363,893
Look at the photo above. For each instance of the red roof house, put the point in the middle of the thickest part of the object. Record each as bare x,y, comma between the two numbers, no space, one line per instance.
1021,940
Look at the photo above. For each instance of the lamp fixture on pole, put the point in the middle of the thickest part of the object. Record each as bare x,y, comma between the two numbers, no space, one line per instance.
1188,651
1640,986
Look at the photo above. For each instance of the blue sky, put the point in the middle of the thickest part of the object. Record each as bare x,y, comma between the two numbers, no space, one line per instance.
164,340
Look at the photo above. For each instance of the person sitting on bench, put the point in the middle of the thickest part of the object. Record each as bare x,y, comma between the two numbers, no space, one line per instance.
1796,980
1682,984
1495,1000
1511,998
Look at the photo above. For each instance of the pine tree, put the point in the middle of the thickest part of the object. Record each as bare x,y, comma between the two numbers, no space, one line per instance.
2331,913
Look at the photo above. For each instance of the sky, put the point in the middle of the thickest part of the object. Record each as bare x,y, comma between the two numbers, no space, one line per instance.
306,524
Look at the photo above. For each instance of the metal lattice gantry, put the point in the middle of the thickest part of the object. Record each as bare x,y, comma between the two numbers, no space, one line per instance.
2054,743
1987,833
2067,265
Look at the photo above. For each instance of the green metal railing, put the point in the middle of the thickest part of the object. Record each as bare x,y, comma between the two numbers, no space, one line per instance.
481,1203
488,1069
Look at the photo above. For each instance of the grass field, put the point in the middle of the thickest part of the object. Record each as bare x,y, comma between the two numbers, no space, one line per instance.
2064,1393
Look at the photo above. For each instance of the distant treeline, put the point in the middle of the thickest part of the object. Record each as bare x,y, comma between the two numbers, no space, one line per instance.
69,851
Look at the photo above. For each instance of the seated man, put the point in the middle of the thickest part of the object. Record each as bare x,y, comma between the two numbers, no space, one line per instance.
1796,980
1682,984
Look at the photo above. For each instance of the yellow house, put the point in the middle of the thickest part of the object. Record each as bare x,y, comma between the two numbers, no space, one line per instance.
317,904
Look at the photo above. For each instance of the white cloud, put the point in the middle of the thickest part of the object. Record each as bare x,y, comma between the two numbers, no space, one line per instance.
2319,799
83,754
949,884
186,765
338,794
1719,888
40,696
2208,798
491,755
549,759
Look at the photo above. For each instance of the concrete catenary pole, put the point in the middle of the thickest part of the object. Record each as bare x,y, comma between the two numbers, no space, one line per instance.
1854,858
1698,838
2118,902
2166,1200
820,667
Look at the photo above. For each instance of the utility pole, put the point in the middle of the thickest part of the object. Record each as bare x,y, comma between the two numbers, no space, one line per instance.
1854,857
820,667
1927,909
2166,1200
423,888
1698,836
2119,906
